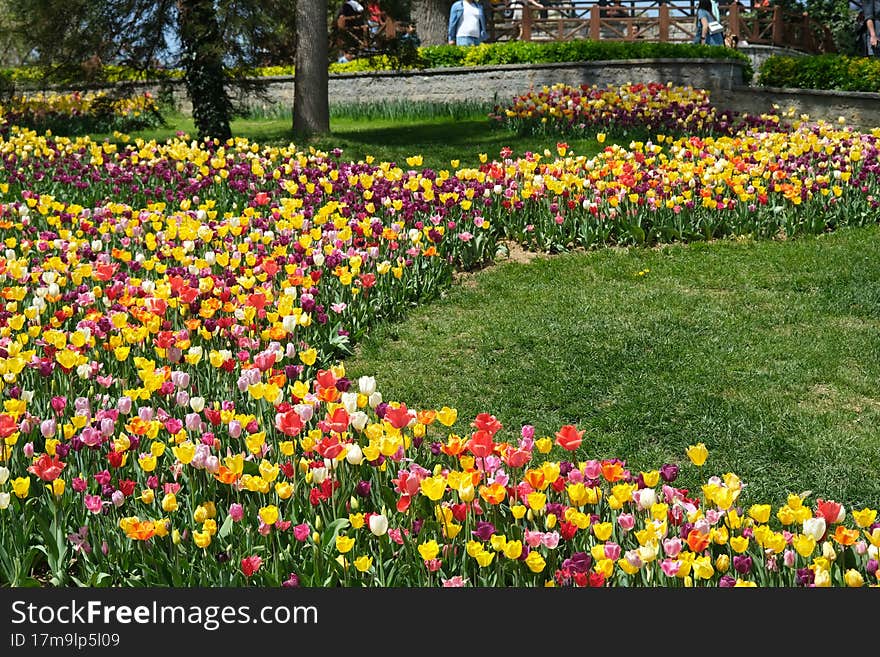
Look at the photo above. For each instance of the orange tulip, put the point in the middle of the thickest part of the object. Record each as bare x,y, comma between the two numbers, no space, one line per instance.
536,479
454,446
493,493
845,536
225,475
612,470
697,541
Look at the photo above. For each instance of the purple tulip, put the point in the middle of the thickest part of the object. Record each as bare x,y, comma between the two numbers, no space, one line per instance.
742,563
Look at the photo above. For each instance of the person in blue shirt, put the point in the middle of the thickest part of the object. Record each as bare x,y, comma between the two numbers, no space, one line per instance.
701,29
467,23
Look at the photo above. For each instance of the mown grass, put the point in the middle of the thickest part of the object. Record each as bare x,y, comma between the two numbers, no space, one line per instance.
387,132
767,352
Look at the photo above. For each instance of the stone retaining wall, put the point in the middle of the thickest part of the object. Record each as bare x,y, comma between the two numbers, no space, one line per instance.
722,78
858,109
501,83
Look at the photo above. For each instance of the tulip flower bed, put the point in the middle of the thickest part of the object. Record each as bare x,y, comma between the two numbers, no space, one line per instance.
625,110
175,411
79,113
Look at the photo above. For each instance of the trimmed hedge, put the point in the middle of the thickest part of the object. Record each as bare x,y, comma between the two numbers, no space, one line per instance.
825,72
532,52
487,54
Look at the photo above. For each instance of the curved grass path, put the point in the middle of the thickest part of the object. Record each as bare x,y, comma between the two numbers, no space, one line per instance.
768,352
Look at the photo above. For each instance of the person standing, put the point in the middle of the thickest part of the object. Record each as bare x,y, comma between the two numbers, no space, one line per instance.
610,13
467,23
871,13
702,32
351,30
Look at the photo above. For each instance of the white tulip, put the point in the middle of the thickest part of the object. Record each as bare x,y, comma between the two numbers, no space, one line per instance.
367,385
814,527
197,404
354,455
378,524
359,420
350,401
4,475
647,497
4,500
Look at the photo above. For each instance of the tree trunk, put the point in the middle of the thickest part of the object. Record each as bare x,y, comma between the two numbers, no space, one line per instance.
311,105
204,75
432,20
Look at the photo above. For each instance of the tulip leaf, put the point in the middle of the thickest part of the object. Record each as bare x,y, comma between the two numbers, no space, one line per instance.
638,233
226,527
333,529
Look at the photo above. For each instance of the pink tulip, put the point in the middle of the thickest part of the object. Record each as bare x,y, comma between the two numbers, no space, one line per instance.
93,503
302,532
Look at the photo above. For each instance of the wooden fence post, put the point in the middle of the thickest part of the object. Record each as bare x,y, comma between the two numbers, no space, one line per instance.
733,20
778,26
526,31
594,23
663,30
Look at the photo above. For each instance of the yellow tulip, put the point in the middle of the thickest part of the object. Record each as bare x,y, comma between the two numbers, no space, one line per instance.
513,549
697,454
269,514
865,517
760,512
535,561
202,539
429,550
853,578
433,487
169,503
363,563
344,543
21,486
739,544
603,530
484,558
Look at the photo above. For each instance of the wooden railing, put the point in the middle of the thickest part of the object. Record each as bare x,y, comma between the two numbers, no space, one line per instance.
652,20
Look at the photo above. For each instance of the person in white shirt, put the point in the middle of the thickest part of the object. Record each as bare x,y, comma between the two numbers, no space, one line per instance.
467,23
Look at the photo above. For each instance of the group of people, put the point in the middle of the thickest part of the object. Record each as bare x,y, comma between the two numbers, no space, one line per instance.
468,24
358,25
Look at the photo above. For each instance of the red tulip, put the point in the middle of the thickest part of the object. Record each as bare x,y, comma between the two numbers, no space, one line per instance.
487,422
47,468
289,423
398,417
568,437
250,565
480,444
8,425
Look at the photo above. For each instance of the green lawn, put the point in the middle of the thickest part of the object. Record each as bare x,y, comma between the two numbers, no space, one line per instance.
439,139
769,353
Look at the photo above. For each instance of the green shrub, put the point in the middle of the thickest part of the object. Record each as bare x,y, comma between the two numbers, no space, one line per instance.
487,54
827,72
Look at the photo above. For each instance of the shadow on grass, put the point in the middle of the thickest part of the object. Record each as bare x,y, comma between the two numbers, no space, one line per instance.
438,142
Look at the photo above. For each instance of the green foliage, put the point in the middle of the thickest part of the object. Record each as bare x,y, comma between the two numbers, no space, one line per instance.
531,52
204,73
828,72
408,110
487,54
842,20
